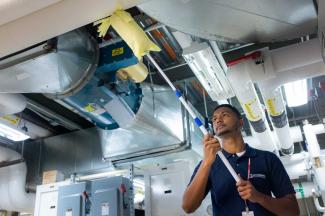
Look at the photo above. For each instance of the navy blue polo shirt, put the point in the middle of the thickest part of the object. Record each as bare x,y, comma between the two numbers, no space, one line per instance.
267,175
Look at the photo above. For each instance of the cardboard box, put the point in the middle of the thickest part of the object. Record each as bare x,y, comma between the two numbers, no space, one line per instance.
52,176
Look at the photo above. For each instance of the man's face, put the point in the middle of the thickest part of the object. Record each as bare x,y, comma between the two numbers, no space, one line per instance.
225,121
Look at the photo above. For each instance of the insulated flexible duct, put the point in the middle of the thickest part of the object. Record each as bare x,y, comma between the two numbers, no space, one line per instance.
12,184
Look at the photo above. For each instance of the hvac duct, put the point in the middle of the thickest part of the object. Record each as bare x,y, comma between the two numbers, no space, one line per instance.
11,103
60,66
12,184
159,115
247,96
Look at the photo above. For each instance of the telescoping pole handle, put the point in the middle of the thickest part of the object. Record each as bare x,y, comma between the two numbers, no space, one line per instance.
196,119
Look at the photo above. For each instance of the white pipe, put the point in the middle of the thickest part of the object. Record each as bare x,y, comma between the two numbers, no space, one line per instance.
33,131
312,143
296,165
247,96
320,177
11,103
318,206
276,109
296,56
12,184
295,133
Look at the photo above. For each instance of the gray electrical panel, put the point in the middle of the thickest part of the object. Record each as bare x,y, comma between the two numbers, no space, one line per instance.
104,197
111,197
71,201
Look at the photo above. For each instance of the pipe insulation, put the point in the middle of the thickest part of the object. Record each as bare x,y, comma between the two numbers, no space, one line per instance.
274,103
245,91
11,103
12,184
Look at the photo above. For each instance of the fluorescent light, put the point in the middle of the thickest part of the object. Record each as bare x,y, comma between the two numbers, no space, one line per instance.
296,93
11,133
207,69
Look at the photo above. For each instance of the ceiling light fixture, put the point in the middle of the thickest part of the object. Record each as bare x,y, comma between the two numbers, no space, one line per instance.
12,134
204,64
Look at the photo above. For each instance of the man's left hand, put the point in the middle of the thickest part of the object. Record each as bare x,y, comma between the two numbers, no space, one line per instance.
248,192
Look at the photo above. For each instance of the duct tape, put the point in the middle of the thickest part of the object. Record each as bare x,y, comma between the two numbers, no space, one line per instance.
258,126
198,122
178,93
251,110
300,190
12,119
280,121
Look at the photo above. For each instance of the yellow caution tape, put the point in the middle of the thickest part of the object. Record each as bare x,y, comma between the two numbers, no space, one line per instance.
130,32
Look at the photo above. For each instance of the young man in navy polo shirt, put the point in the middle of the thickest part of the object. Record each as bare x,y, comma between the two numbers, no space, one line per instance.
251,196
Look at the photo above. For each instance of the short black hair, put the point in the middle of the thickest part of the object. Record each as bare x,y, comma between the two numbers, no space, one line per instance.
235,110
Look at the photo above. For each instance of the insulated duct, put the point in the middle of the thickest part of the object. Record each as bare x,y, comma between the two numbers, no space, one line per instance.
12,184
285,65
273,101
11,103
247,96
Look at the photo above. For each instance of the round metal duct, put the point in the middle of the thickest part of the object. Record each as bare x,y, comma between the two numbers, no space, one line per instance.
58,67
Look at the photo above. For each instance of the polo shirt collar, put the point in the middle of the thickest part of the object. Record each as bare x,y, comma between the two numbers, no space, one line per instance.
250,152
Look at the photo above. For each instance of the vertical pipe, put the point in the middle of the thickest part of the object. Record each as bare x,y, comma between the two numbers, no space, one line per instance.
247,96
276,109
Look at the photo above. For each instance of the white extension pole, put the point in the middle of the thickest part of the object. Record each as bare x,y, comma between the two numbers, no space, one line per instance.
196,119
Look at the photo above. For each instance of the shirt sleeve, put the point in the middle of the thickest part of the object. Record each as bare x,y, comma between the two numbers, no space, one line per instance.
280,181
208,187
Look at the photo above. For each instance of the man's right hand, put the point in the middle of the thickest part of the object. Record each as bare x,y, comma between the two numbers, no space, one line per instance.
210,148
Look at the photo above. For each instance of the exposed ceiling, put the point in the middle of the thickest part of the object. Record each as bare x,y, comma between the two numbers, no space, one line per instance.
58,119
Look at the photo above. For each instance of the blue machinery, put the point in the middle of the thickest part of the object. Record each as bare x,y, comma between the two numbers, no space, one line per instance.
93,99
101,89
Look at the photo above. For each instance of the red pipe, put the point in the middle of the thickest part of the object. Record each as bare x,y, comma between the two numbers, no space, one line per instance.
253,55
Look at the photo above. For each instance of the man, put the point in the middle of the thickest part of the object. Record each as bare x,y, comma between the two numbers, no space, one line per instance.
251,196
